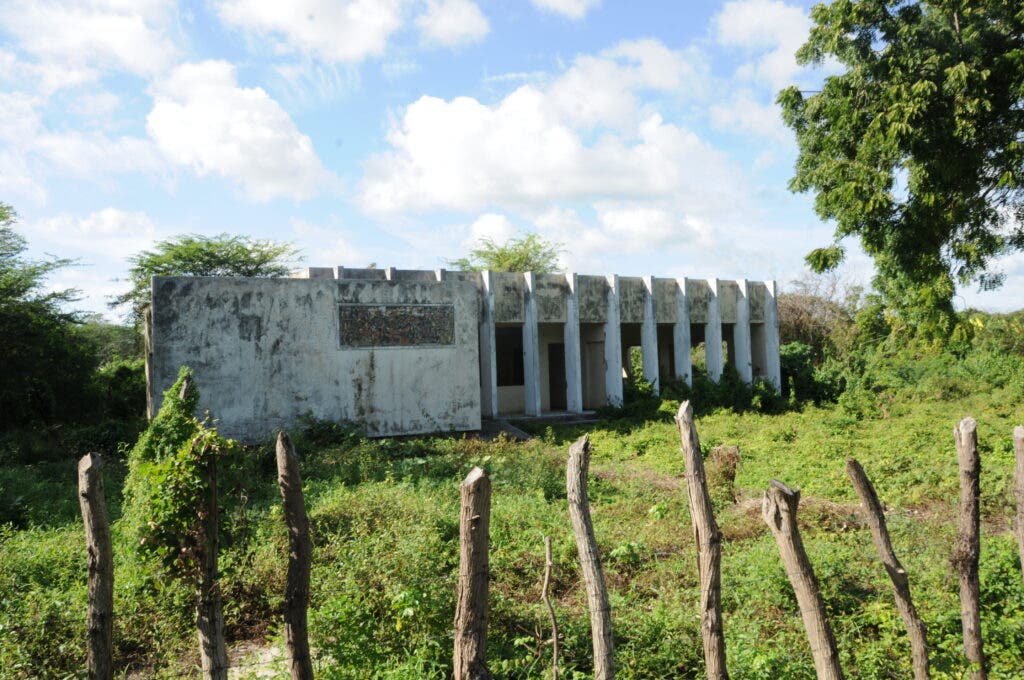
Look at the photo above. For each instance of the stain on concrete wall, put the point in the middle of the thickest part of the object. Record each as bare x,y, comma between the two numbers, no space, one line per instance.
551,292
366,273
728,293
756,293
509,296
413,275
697,293
592,298
631,299
665,309
267,351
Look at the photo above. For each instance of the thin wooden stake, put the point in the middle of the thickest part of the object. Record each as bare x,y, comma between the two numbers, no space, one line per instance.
968,545
289,479
549,567
1018,488
900,582
100,617
209,613
709,546
590,559
470,662
778,508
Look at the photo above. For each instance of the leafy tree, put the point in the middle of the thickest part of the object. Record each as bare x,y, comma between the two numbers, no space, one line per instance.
916,147
529,253
47,367
192,255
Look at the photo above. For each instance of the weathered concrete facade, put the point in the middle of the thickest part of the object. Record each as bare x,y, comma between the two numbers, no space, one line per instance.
411,351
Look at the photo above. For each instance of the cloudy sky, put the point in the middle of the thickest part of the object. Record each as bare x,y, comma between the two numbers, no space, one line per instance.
642,136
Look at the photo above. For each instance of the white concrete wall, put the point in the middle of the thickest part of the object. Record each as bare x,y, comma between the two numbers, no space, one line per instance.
267,351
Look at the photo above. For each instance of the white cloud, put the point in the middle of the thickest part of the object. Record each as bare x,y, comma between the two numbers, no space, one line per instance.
33,152
327,246
110,233
743,113
529,150
453,22
771,29
330,30
573,9
603,89
83,38
490,226
202,118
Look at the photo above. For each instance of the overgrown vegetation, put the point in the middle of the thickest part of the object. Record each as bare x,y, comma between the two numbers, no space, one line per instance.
384,515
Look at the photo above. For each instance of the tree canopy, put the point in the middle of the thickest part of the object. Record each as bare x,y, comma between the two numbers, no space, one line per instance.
46,366
192,255
917,146
529,253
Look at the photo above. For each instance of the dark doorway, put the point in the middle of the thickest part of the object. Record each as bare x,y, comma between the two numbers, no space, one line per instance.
556,376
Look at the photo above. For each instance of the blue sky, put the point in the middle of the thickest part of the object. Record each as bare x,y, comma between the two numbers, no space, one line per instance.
642,136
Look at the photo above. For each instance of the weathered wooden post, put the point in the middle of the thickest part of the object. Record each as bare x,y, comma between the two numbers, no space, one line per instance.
709,546
470,660
1018,488
289,479
900,582
549,566
590,559
209,613
778,508
968,544
100,617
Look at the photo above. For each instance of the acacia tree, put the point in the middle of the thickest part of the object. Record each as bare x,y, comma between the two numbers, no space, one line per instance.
529,253
916,147
47,366
192,255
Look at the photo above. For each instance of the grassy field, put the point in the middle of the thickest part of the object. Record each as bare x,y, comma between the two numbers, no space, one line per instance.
385,516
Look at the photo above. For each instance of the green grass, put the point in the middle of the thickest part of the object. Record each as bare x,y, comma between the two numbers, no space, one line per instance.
384,515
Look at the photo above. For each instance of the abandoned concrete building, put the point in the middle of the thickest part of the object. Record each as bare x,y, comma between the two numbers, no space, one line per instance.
416,351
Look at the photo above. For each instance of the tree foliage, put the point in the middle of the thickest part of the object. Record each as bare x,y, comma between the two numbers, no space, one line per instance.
916,146
194,255
529,253
47,367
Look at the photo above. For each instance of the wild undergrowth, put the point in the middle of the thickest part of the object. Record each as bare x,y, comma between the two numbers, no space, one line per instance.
384,516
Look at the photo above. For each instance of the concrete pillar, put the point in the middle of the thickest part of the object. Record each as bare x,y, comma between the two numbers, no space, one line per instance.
439,274
681,335
531,350
488,352
773,369
713,334
741,334
389,274
573,356
649,336
613,345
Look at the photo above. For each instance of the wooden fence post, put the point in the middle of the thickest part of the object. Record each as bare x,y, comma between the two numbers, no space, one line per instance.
900,582
590,559
470,661
709,545
549,566
968,544
1018,488
100,617
289,480
209,613
778,508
